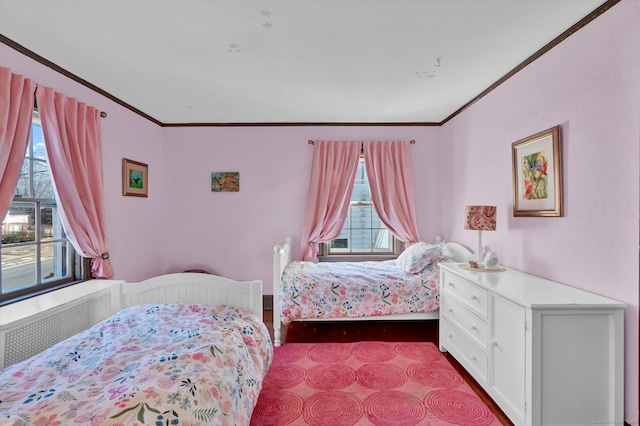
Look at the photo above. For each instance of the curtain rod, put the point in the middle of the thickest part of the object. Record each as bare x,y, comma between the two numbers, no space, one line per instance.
311,142
35,104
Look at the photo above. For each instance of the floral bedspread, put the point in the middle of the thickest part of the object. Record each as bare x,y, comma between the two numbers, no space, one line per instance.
165,364
356,289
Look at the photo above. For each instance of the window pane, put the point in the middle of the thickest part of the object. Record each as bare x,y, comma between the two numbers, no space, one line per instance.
360,240
42,186
340,243
363,232
37,141
361,192
347,221
361,172
375,220
22,189
55,261
361,216
18,267
18,225
51,225
361,186
382,241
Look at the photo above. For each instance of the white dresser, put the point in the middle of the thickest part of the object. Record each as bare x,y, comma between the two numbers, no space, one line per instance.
547,354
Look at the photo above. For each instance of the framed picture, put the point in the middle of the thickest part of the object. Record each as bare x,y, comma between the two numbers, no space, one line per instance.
135,178
537,174
225,181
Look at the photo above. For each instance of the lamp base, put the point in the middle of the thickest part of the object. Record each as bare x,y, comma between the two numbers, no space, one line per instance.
479,251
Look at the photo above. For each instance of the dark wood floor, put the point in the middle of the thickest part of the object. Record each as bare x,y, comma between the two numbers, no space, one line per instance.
390,331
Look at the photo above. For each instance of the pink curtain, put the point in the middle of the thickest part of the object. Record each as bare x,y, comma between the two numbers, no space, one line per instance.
333,172
390,174
16,110
74,149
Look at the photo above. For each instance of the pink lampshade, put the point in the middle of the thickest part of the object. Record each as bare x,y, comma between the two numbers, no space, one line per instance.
480,218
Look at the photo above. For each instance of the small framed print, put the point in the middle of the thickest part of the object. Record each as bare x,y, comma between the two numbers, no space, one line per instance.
537,175
225,181
135,178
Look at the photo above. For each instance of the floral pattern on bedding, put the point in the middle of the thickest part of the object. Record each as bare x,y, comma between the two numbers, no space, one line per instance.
356,289
164,364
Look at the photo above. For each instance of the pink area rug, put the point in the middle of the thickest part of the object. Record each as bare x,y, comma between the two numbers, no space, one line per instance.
366,383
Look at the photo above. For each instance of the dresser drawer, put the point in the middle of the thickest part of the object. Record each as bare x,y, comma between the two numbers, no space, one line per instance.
467,293
474,327
469,355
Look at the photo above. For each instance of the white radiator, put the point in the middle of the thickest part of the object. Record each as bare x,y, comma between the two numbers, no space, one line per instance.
24,334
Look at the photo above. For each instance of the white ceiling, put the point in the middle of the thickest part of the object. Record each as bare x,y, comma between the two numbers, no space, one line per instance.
290,61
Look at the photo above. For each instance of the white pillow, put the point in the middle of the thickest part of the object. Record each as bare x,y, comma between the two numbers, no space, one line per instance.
417,256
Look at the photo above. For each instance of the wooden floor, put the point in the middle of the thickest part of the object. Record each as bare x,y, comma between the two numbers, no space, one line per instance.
390,331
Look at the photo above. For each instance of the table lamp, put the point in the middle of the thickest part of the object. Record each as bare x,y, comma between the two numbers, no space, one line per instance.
480,218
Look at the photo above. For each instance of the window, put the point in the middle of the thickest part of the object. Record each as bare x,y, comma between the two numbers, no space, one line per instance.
363,233
36,254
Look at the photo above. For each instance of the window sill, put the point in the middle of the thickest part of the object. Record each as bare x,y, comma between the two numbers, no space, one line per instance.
53,296
51,299
355,258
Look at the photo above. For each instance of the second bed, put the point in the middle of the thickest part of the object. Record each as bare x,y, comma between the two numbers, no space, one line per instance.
402,288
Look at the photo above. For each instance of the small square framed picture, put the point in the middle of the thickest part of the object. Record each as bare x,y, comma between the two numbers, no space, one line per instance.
135,178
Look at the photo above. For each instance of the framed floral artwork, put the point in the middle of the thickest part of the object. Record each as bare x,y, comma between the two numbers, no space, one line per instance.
135,178
225,182
537,174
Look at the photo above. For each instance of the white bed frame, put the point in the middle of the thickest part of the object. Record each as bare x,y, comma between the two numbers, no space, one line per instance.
30,326
282,256
189,288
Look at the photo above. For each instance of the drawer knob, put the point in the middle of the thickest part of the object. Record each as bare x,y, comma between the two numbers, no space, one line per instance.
451,285
450,335
494,343
474,297
473,358
450,310
473,327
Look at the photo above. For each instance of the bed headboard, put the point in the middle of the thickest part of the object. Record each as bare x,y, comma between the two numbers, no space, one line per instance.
190,288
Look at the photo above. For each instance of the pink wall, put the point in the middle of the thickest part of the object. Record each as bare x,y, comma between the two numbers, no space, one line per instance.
590,85
233,234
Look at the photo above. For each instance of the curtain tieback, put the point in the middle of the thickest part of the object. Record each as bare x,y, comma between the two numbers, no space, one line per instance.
311,243
104,255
